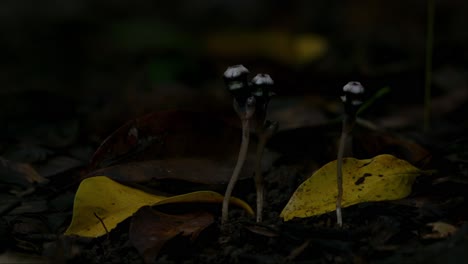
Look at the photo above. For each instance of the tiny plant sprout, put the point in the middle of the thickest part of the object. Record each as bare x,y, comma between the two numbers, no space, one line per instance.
262,84
352,100
235,78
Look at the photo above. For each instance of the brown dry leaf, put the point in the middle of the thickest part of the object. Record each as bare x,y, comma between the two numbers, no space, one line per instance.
17,257
19,173
369,142
194,170
169,134
320,143
150,229
181,145
440,230
57,165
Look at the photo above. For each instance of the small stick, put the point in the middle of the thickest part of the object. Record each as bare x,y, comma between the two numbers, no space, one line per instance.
102,223
351,100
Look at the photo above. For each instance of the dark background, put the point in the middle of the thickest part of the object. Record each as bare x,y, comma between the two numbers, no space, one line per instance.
113,60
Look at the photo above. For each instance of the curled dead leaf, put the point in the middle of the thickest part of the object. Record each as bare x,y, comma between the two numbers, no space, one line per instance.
168,134
194,170
150,229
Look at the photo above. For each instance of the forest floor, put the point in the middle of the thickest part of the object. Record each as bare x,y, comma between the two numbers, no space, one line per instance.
47,154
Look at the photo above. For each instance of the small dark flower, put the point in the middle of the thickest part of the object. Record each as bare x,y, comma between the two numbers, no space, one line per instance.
352,97
236,81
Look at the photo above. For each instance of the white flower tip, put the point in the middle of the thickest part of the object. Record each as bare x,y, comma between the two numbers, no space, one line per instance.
235,71
262,78
354,88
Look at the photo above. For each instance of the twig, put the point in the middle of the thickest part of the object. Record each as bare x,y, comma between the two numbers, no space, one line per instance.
298,250
102,223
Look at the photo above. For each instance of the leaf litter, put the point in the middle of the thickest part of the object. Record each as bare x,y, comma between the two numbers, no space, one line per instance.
145,159
150,229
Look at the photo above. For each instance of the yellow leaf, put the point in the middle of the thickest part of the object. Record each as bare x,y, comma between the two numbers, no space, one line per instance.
100,198
383,177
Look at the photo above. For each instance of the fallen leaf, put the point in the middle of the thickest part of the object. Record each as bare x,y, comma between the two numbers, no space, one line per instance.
319,143
30,207
24,225
440,230
194,170
102,199
266,231
17,257
58,165
381,178
27,153
377,142
19,173
150,229
169,134
181,145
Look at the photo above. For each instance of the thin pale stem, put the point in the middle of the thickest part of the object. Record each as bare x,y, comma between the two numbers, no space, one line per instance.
339,179
259,185
346,130
235,174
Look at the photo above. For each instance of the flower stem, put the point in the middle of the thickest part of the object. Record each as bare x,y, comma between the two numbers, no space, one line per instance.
259,185
237,169
339,179
352,100
348,123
